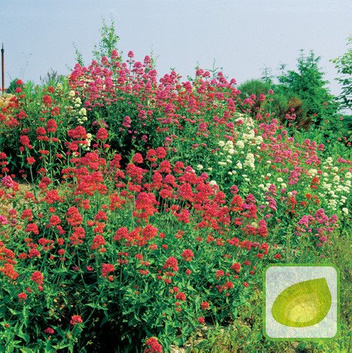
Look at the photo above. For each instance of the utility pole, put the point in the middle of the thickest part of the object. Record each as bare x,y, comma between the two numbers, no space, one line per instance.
2,70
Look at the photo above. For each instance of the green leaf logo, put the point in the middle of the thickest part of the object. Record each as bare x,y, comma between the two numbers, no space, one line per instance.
303,304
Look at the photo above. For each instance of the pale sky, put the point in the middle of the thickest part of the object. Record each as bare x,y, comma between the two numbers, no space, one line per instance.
243,36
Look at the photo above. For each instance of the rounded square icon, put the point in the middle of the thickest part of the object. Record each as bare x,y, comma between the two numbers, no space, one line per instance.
301,302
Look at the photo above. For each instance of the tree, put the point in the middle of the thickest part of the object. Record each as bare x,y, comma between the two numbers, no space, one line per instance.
308,84
343,65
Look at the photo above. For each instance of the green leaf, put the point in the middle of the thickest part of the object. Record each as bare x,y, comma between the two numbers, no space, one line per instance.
303,304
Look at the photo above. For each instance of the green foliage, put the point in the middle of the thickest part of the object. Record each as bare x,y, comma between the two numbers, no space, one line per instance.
170,242
79,56
308,84
108,42
343,65
12,86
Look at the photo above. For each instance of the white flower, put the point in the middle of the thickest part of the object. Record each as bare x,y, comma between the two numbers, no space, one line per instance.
313,172
231,151
336,179
345,210
240,144
199,167
222,163
258,140
348,175
280,180
72,93
335,169
283,185
212,183
221,143
329,160
82,111
239,165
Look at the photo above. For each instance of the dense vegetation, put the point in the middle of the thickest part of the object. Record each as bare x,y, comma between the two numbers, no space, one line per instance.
139,213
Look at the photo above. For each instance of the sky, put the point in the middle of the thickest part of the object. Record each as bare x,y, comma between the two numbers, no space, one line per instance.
241,37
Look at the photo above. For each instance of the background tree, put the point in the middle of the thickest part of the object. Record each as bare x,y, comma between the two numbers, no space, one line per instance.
308,83
343,65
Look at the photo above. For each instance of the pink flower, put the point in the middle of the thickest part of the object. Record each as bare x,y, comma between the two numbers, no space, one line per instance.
49,330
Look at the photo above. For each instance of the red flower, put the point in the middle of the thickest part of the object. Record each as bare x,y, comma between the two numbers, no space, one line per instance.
204,305
51,125
101,215
102,134
151,155
38,278
187,255
77,236
30,160
160,152
52,197
229,285
137,158
78,133
171,263
121,233
98,241
22,296
32,227
201,320
9,271
219,274
74,218
41,131
236,267
47,100
107,268
154,346
181,296
54,220
76,319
